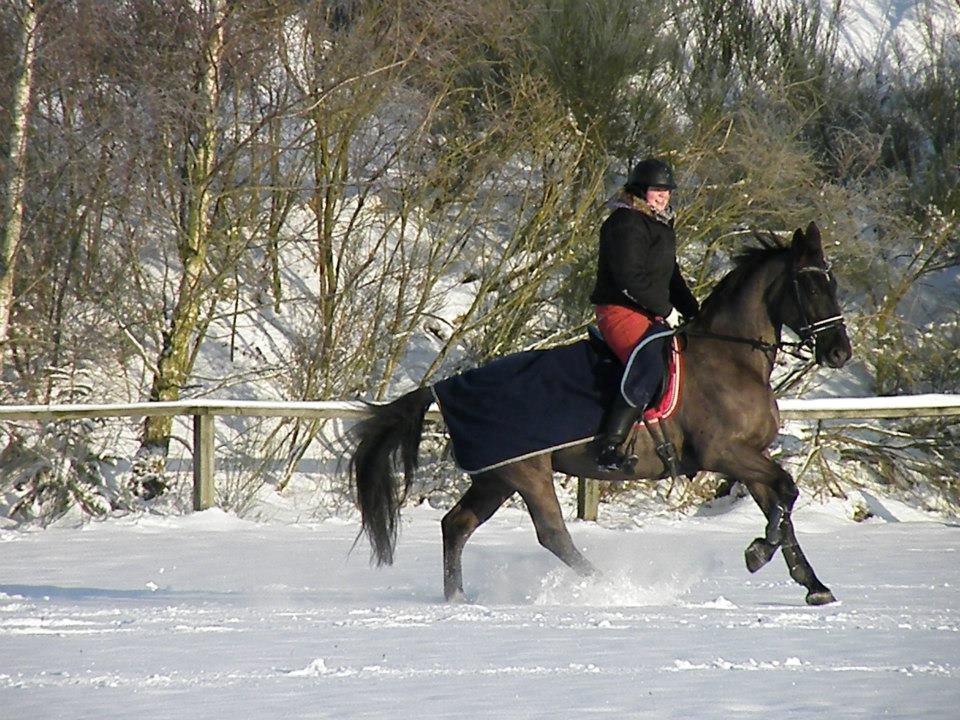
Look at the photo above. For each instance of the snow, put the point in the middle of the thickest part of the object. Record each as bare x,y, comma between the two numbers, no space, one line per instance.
879,30
208,616
872,406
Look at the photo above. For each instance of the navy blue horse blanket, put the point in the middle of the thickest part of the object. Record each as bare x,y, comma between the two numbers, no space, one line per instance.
527,403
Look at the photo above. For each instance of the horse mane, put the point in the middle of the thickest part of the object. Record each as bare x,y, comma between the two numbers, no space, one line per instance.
745,262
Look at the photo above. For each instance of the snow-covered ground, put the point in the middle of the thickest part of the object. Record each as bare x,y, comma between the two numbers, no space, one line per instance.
209,616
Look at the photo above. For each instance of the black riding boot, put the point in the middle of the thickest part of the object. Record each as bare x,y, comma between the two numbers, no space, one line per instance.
614,428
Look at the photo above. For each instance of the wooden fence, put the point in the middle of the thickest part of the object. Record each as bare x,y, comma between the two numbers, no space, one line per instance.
204,413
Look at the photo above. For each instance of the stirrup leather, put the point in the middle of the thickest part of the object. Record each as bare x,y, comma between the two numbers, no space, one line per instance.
664,448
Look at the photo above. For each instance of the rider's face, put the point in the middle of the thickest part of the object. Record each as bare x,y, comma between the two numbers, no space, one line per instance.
658,198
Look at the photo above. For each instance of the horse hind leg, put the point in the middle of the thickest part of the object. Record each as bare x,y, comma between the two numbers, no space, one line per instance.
479,503
533,479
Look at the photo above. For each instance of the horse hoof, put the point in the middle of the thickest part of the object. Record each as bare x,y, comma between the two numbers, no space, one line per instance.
821,597
758,554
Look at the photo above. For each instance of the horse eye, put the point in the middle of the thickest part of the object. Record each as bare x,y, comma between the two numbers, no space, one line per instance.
812,287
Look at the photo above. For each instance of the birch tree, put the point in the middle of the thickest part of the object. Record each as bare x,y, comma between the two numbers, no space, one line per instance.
194,234
17,165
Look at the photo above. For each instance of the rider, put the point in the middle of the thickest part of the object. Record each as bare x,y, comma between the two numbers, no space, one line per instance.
639,289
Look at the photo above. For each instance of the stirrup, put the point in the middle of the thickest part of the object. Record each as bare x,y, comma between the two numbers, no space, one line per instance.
610,459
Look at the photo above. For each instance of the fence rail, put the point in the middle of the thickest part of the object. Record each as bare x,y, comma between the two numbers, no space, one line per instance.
205,411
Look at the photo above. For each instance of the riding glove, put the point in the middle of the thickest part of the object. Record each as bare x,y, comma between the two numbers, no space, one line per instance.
673,320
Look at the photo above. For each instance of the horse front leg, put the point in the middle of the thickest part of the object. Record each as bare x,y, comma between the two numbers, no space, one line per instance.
774,491
759,553
800,569
762,549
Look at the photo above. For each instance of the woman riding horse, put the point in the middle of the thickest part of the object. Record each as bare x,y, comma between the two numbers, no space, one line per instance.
639,289
726,420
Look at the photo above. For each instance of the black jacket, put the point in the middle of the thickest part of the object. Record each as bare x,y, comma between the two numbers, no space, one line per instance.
638,267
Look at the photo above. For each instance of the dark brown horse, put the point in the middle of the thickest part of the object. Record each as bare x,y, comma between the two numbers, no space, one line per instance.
726,421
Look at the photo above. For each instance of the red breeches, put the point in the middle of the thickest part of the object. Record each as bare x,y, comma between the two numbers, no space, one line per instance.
622,328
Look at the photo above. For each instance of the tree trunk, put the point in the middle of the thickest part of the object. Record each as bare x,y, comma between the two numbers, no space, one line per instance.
176,357
17,164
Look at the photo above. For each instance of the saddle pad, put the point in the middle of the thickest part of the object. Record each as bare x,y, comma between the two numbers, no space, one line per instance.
669,399
527,403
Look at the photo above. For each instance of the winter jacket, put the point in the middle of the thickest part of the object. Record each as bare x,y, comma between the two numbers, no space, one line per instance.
637,267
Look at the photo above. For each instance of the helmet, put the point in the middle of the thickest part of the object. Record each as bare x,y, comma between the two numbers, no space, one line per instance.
651,173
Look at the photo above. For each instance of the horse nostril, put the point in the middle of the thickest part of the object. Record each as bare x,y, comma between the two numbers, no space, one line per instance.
839,356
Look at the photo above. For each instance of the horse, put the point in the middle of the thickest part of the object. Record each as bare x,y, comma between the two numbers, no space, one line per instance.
726,420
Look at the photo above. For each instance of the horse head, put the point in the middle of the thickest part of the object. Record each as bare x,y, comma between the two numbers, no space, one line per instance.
812,310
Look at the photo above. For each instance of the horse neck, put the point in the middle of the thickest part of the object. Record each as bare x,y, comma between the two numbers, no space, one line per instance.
748,311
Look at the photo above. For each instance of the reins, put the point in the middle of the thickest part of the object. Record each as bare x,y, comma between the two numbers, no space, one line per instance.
795,349
755,343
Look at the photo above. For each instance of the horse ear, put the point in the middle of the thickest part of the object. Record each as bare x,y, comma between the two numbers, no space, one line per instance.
807,246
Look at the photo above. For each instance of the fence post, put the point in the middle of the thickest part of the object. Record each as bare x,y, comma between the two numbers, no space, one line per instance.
203,450
588,498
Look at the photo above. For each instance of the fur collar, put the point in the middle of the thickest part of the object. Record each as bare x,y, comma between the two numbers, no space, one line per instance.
624,199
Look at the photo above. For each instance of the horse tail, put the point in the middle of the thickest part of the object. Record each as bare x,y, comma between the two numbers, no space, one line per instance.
392,429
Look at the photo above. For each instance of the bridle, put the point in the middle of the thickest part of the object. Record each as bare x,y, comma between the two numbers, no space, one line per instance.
807,332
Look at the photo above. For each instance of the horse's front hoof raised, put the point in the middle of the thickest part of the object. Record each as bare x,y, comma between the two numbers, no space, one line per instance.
821,597
758,554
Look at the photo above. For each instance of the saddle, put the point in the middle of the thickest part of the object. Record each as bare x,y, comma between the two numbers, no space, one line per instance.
667,398
665,401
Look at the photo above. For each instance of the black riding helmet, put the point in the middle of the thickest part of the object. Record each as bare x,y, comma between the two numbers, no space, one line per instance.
650,173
